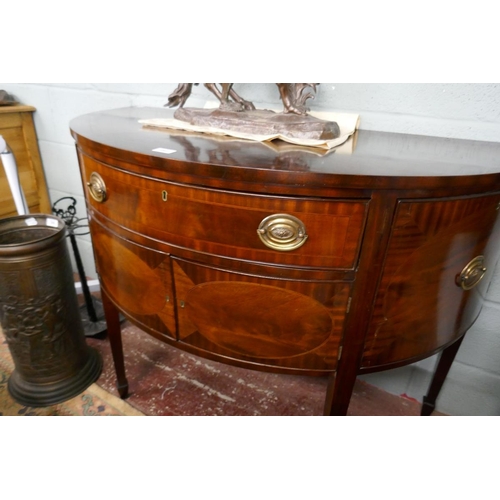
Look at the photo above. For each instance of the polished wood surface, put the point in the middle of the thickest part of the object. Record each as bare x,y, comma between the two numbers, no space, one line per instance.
221,222
18,130
430,244
390,228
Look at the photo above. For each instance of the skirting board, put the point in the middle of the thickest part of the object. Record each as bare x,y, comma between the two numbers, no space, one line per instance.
93,286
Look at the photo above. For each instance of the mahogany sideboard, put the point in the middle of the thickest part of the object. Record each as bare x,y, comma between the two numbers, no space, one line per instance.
287,259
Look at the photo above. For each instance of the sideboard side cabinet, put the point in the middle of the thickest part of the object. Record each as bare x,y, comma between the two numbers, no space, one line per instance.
288,259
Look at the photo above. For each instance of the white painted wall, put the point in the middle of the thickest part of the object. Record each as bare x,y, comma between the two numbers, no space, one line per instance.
467,111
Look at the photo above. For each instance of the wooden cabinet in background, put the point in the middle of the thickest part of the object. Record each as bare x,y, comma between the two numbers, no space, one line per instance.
17,128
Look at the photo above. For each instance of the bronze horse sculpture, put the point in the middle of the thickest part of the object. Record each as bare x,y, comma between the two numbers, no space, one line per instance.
293,96
236,114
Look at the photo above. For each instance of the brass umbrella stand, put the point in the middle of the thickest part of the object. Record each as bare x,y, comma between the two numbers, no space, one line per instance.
39,312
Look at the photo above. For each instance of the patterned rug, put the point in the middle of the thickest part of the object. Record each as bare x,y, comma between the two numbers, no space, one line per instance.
95,401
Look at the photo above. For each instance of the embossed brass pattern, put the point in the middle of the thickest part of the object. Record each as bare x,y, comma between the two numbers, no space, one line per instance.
472,273
282,232
39,313
97,187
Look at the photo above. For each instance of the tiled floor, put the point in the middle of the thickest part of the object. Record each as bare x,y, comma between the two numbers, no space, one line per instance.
167,381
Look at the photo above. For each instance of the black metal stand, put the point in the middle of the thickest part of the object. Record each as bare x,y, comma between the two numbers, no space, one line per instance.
92,312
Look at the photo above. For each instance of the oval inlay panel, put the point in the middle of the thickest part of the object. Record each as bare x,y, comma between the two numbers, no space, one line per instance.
126,275
258,320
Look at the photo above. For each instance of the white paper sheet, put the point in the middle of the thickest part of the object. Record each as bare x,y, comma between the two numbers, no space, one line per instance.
347,122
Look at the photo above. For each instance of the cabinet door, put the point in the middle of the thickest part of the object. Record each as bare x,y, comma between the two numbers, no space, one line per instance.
421,305
137,279
291,325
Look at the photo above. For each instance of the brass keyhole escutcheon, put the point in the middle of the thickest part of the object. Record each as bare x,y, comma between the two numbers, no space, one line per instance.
282,232
164,195
97,188
472,273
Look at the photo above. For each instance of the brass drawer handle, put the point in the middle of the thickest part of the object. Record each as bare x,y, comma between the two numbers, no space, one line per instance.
282,232
472,273
97,188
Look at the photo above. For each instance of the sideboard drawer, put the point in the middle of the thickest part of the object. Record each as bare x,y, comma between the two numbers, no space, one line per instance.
292,231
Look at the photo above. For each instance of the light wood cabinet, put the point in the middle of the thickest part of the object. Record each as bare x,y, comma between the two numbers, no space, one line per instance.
17,128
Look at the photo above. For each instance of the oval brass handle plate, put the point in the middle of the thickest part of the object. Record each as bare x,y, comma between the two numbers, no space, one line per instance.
472,273
97,188
282,232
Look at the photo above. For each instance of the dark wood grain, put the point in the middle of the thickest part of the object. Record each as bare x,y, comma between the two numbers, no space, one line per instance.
390,227
223,222
419,307
294,325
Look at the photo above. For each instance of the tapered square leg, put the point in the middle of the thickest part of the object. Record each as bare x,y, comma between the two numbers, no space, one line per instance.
443,367
115,339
